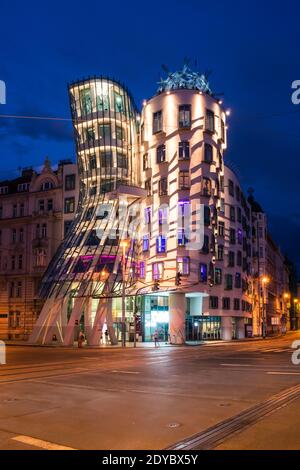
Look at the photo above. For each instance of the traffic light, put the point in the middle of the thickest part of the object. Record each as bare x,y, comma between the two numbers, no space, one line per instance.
178,279
155,285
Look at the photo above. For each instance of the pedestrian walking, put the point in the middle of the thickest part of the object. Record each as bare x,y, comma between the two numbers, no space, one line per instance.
156,337
80,339
106,337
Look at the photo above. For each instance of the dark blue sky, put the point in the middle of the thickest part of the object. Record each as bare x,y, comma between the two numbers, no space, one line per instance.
252,49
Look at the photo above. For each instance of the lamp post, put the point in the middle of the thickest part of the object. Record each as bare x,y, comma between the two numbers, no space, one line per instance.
123,245
264,281
287,297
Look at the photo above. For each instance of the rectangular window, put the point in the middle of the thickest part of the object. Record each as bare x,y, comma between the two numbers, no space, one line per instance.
226,303
90,135
203,272
50,205
238,281
120,135
147,215
70,182
183,265
20,261
230,187
13,262
232,214
161,244
228,281
44,231
181,237
142,270
161,154
92,163
220,252
148,186
240,236
157,270
231,256
162,215
236,304
86,101
145,161
232,236
19,289
21,210
15,210
239,258
13,235
222,130
41,205
119,107
3,189
213,302
106,159
105,134
67,226
221,229
69,205
21,235
210,121
157,122
184,179
218,276
145,243
206,186
208,153
184,116
206,216
184,150
122,160
163,187
205,248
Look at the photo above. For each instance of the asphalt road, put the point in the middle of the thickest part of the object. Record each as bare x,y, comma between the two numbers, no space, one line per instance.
151,398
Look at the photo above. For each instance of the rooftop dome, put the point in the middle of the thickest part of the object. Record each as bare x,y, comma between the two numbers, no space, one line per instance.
184,79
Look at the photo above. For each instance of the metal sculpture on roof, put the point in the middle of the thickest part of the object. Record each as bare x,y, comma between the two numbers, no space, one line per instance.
184,79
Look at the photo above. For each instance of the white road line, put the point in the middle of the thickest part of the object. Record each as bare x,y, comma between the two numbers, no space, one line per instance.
237,365
283,373
32,441
124,372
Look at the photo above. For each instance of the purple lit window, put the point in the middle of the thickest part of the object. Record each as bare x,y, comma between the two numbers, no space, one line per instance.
145,242
142,270
161,244
148,215
203,272
240,236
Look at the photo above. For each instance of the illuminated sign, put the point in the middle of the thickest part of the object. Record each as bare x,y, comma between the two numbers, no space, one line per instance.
2,92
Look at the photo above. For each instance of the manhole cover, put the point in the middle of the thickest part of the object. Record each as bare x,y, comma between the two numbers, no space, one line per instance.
173,425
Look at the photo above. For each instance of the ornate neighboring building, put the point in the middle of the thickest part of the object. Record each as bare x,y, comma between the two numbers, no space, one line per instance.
35,212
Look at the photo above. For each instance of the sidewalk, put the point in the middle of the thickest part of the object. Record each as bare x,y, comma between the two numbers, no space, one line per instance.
150,344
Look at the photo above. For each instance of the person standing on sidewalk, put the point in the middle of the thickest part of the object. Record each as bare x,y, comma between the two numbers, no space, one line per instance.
156,337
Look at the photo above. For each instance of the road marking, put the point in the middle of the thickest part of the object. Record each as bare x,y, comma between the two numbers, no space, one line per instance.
237,365
32,441
282,373
124,372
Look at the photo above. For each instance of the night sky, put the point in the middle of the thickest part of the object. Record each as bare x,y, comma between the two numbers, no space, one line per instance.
252,49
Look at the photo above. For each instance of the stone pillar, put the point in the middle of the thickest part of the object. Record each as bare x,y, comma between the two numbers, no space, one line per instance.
226,328
177,312
240,327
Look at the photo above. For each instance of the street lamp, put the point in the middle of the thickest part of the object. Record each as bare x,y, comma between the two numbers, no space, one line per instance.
124,244
264,281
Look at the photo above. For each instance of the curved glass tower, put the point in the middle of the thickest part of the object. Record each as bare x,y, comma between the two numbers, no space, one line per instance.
90,264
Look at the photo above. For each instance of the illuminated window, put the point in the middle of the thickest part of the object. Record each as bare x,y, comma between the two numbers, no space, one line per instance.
160,244
146,162
146,243
86,101
181,237
183,265
184,179
184,117
184,150
163,187
157,270
218,276
147,214
162,215
120,135
69,205
221,229
119,108
203,272
142,269
102,101
157,122
161,154
210,121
